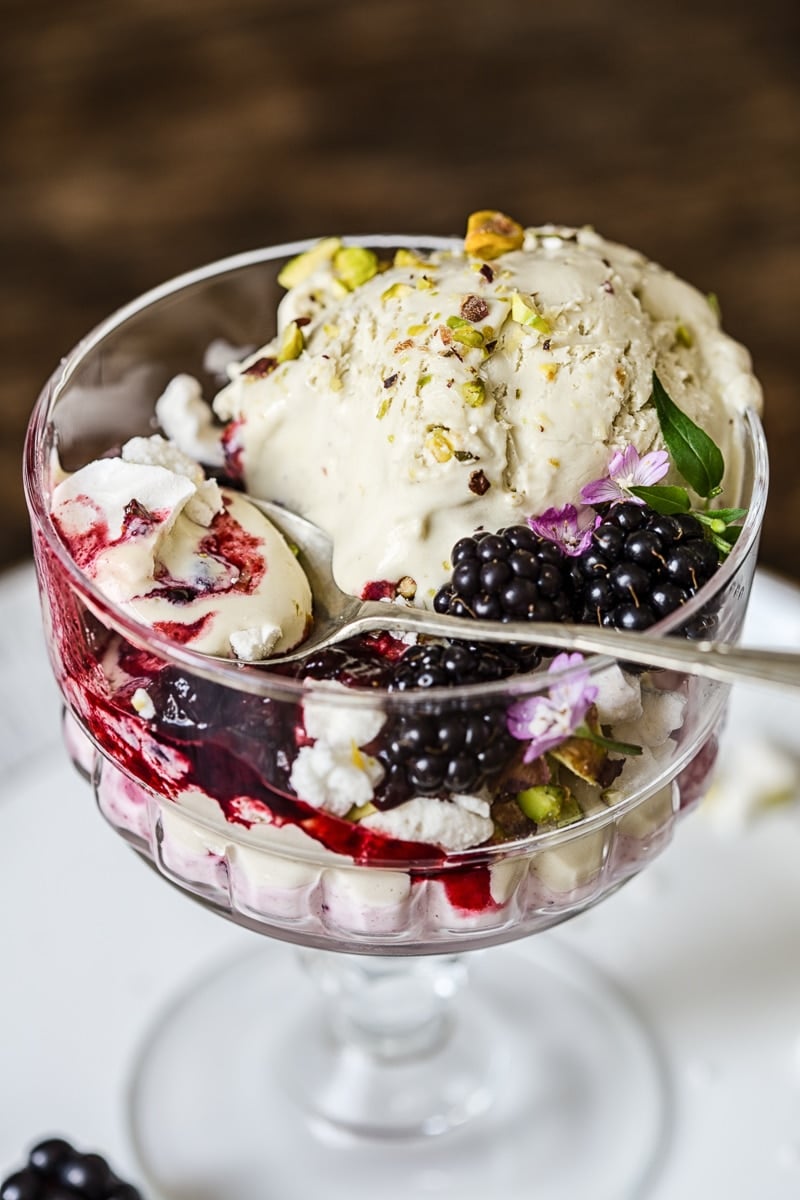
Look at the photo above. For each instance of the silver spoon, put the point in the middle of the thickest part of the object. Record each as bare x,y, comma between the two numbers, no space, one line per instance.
338,615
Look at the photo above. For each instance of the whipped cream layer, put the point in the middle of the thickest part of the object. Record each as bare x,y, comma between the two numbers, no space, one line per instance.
446,393
199,563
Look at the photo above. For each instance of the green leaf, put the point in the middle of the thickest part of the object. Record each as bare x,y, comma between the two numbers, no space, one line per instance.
726,515
694,453
664,499
629,748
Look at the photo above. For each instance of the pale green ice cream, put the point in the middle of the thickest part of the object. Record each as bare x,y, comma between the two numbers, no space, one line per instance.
446,393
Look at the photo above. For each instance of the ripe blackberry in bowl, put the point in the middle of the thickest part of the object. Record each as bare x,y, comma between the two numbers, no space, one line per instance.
511,575
440,749
642,566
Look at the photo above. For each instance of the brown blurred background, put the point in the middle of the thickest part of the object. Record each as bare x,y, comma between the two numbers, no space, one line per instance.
143,137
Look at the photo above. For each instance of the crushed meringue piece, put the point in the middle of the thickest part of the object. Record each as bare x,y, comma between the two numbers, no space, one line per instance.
254,645
453,825
333,777
336,723
188,421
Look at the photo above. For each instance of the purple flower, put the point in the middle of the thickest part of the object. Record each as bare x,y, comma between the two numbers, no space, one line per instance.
569,527
546,721
626,470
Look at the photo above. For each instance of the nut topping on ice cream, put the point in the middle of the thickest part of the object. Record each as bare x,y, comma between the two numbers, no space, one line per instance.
441,394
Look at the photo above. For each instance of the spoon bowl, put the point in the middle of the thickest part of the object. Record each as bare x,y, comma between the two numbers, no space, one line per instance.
338,615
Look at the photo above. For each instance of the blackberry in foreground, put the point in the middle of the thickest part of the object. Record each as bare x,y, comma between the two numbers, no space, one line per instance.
445,664
55,1170
640,567
511,575
440,749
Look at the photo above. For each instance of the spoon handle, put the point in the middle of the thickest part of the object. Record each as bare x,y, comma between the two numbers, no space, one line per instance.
712,660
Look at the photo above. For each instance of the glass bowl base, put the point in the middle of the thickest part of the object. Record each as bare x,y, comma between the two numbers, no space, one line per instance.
544,1083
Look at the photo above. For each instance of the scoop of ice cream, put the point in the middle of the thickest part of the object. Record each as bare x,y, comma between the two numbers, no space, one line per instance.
402,408
199,563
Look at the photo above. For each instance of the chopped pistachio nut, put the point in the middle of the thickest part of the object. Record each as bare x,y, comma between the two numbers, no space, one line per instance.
359,811
407,258
336,384
416,330
549,804
330,330
292,343
683,335
472,338
549,370
424,284
437,444
383,407
395,291
525,314
458,323
354,265
422,382
473,393
302,265
490,234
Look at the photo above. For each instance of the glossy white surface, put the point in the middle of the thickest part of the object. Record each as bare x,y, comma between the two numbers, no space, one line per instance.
92,945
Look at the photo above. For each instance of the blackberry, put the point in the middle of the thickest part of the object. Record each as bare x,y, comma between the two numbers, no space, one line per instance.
444,664
55,1170
511,575
641,566
440,749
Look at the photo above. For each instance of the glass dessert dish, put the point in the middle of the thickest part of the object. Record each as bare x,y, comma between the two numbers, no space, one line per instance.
390,1072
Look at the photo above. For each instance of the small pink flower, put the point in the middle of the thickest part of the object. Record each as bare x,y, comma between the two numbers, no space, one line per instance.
626,470
546,721
569,527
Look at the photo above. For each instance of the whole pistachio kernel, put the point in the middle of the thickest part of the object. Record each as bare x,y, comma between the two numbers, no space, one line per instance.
524,314
491,233
473,393
292,343
302,265
354,265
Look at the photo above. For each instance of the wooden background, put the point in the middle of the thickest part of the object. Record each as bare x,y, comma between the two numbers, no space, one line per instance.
143,137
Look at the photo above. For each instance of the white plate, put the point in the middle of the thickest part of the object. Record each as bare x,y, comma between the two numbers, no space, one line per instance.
707,942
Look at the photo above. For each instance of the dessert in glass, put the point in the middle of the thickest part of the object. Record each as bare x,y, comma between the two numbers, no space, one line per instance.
528,424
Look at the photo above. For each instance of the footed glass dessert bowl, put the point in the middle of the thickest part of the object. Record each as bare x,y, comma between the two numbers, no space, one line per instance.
383,806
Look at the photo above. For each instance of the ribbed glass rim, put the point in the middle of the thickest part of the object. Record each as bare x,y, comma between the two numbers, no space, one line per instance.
259,680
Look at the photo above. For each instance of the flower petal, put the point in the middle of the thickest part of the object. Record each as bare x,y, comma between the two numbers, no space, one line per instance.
624,463
602,491
651,468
